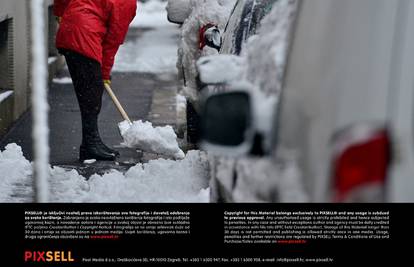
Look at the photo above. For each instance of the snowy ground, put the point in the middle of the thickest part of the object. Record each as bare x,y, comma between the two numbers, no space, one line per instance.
156,50
156,181
186,180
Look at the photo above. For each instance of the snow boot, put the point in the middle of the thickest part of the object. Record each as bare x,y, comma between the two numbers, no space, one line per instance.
92,146
88,152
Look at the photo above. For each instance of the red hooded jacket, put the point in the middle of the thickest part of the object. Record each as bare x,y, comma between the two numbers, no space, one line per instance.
94,28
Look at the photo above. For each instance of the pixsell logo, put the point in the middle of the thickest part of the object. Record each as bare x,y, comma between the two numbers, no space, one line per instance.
48,256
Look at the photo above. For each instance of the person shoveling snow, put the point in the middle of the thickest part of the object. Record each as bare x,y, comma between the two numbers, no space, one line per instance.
157,140
90,63
89,36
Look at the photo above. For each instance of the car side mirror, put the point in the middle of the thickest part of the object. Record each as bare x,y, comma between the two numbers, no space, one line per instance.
227,123
210,36
178,10
220,69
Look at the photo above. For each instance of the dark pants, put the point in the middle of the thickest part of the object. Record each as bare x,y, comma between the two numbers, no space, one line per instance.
87,79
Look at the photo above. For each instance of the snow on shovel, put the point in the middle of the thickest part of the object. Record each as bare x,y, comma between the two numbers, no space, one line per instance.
142,135
158,140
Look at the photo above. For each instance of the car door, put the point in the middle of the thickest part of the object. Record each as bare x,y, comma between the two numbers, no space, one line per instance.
233,26
243,23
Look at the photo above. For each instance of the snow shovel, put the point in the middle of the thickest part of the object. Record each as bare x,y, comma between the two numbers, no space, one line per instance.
117,103
168,147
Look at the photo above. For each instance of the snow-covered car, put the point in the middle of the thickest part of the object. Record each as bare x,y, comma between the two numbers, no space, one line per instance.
197,17
207,32
202,22
343,127
258,70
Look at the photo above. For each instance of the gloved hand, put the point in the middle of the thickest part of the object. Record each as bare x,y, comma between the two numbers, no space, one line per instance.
107,82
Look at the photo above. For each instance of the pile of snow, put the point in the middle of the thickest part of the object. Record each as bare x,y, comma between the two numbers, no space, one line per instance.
203,12
156,181
14,170
159,140
155,51
151,14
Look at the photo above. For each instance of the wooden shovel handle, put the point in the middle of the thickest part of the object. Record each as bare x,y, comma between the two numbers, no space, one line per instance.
117,103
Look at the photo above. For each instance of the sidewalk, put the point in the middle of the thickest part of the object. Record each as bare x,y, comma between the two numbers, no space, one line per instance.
145,96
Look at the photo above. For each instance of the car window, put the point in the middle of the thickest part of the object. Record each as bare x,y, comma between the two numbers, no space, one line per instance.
243,23
232,27
242,33
260,9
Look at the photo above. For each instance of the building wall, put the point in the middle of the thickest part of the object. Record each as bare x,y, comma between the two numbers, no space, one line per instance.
15,67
